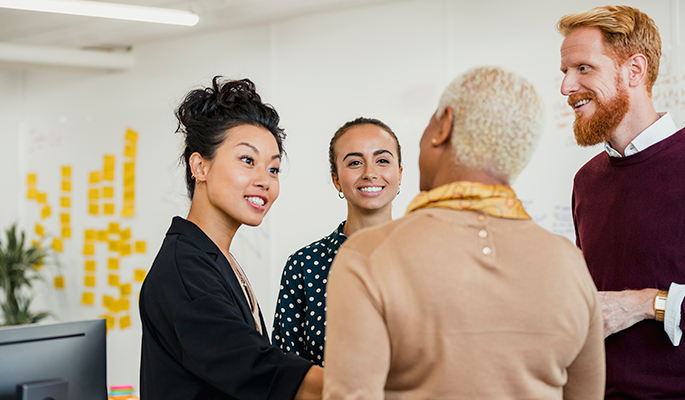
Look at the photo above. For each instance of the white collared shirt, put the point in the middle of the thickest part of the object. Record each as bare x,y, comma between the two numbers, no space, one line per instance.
658,131
663,128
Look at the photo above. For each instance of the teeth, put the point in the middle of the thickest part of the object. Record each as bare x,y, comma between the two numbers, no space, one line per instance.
371,189
257,200
581,103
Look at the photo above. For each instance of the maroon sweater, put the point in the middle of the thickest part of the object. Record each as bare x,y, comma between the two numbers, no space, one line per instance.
629,215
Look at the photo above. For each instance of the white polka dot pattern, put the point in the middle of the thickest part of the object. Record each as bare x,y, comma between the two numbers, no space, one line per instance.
300,319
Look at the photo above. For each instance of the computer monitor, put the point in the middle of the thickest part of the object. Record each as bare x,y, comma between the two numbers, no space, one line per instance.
48,360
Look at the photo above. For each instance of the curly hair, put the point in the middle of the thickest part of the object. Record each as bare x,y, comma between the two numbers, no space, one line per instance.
206,114
498,120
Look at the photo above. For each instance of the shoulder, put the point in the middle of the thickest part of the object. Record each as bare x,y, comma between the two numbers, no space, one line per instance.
367,240
328,243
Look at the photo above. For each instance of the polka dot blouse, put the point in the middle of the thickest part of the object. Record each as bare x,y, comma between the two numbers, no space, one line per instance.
300,320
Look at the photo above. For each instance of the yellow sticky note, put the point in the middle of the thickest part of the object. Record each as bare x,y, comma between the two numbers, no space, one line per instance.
113,227
107,301
40,230
108,192
41,197
108,174
129,168
59,282
139,275
127,211
89,281
125,289
141,245
90,265
64,218
57,245
66,202
108,161
124,305
94,177
110,321
129,195
45,212
88,250
126,234
108,209
32,194
66,232
113,280
89,234
93,194
125,249
130,151
125,322
87,299
113,263
129,181
93,209
66,172
131,135
113,245
31,179
66,186
102,236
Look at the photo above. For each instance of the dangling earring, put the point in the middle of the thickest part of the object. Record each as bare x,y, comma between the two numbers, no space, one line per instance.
398,188
341,195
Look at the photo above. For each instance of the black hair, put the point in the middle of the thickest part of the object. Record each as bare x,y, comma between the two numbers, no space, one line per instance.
356,122
206,114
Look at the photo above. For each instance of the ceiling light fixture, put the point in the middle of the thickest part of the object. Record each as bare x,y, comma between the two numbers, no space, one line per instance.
106,10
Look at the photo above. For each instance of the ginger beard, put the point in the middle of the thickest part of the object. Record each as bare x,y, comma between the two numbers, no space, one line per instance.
601,125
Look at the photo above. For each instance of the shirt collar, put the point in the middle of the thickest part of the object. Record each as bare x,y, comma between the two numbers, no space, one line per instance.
658,131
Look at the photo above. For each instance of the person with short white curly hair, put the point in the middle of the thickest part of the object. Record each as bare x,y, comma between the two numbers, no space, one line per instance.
498,119
466,297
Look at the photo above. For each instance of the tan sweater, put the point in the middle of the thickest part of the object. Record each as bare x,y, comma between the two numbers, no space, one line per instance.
445,304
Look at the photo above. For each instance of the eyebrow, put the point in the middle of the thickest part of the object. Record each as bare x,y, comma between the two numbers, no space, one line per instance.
375,153
274,157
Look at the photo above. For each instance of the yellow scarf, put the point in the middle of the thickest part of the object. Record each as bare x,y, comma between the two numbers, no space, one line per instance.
495,200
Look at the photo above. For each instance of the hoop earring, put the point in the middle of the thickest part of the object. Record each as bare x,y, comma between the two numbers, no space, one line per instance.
341,195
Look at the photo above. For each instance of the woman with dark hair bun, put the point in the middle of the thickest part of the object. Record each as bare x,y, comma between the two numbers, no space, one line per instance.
203,332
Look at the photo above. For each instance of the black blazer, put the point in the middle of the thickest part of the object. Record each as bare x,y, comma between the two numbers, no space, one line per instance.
199,337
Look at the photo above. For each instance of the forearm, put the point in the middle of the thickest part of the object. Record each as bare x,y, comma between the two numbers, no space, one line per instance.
312,385
623,309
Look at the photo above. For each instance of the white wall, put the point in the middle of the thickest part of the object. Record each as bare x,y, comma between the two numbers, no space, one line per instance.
388,61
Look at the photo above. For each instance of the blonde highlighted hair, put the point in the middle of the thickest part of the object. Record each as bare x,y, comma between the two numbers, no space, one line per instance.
498,120
626,31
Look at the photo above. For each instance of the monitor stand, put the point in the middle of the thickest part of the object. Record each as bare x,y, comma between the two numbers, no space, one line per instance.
56,389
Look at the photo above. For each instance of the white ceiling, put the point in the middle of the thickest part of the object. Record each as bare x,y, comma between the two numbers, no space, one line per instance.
30,29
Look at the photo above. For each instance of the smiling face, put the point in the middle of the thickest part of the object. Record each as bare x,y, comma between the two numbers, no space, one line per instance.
368,174
242,178
594,86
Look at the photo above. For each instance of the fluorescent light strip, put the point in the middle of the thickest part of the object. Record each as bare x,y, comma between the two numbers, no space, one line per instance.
106,10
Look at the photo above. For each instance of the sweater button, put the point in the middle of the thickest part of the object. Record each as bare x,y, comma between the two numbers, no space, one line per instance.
487,251
483,233
481,218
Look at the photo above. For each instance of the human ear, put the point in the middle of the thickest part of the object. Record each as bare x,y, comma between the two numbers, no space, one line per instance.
637,69
445,127
336,181
198,167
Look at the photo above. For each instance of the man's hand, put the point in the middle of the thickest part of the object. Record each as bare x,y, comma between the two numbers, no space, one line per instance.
621,310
